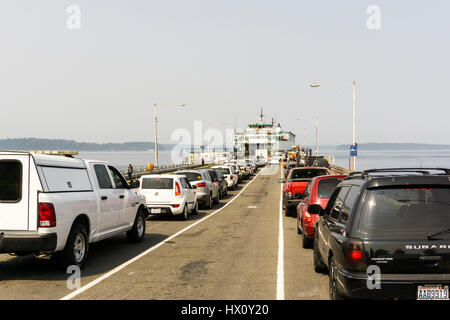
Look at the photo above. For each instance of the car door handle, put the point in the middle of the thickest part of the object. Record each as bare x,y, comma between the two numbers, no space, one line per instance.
104,197
121,196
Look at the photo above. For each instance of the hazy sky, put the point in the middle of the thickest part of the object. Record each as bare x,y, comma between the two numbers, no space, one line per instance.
224,59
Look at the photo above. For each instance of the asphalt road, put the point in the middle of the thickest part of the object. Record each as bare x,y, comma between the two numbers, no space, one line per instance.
232,254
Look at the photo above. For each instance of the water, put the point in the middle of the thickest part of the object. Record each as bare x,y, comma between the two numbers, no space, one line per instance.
365,159
392,159
121,159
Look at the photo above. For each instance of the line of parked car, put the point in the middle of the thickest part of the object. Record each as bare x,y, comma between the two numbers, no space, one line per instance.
56,205
181,193
379,234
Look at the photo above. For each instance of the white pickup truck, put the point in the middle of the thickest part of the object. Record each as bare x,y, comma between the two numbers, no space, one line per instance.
59,205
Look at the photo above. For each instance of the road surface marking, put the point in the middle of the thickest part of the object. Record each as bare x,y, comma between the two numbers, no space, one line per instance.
123,265
280,266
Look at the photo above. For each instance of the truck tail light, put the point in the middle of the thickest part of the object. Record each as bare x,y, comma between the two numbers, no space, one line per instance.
289,188
231,177
177,189
201,185
354,255
47,216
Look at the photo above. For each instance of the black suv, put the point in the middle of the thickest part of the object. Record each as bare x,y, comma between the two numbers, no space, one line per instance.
385,233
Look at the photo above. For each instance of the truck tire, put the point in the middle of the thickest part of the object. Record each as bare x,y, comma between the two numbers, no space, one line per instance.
137,233
76,250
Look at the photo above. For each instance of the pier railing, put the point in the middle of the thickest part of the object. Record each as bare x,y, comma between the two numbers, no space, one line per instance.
338,170
138,172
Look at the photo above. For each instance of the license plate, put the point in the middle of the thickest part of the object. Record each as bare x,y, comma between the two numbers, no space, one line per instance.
156,210
432,292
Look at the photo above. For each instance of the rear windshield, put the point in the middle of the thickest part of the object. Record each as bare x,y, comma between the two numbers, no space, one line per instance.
224,170
307,173
327,186
10,181
191,176
157,183
218,173
406,210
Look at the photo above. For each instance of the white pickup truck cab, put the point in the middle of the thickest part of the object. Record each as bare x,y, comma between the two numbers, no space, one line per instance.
59,205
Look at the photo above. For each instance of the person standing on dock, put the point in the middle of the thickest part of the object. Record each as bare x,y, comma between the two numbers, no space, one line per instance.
130,171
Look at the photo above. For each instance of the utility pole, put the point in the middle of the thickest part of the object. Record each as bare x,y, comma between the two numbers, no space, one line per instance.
156,135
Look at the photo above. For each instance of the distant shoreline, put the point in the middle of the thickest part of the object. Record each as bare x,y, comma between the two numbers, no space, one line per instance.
62,144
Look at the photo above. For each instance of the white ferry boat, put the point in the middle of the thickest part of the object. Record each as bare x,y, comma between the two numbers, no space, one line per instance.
264,142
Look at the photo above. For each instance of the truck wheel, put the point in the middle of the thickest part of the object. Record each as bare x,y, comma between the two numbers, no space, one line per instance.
77,247
137,233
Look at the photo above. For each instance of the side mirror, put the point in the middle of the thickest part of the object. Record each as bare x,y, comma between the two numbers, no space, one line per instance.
135,184
281,180
315,209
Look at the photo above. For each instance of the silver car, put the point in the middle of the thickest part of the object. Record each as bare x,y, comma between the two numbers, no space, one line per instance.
207,190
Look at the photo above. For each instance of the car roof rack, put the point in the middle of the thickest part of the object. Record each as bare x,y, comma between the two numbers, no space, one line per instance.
424,171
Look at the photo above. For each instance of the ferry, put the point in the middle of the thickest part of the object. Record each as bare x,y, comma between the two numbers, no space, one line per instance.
262,141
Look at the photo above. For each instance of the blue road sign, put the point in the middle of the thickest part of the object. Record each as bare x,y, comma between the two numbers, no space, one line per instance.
353,151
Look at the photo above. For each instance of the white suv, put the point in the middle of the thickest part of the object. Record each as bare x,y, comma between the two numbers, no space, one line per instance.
169,194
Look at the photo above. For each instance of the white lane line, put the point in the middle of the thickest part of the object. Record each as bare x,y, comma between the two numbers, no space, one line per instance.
280,266
123,265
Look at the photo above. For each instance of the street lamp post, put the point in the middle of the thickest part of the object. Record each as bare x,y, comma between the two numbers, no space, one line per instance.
316,125
156,129
353,93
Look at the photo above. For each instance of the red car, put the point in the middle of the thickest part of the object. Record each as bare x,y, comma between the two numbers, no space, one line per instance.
295,183
318,192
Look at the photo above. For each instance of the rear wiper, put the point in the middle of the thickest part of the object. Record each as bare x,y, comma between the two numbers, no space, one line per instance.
431,236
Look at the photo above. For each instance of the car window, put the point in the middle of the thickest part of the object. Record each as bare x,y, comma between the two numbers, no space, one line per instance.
224,170
157,183
184,183
349,203
10,181
406,210
191,176
119,180
307,190
327,186
306,173
104,181
338,204
207,176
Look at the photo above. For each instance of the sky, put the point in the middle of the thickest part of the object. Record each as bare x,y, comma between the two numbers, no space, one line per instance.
224,59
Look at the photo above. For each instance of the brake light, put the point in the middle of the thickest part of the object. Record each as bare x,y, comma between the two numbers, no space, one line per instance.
47,217
354,255
307,217
289,187
176,205
201,185
231,177
177,189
